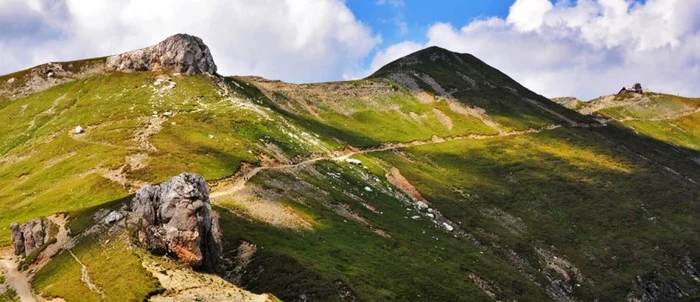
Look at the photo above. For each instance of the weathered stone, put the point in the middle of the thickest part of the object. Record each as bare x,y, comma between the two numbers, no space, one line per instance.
113,217
176,217
79,130
17,238
28,237
181,52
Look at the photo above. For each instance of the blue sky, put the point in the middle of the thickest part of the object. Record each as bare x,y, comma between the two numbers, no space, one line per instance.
386,16
397,20
581,48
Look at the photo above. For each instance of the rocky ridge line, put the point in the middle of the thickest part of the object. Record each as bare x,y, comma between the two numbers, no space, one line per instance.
181,52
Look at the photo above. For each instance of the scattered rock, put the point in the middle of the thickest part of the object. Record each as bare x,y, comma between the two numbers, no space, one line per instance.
448,227
113,217
79,130
353,161
181,52
176,217
28,237
11,80
368,189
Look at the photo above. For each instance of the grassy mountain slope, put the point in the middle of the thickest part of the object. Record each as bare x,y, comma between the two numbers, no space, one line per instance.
669,118
470,186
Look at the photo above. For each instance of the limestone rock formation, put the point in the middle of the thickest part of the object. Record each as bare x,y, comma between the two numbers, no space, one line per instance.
184,53
29,236
176,217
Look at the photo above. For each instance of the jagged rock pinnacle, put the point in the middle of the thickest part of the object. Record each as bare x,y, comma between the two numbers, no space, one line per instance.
181,52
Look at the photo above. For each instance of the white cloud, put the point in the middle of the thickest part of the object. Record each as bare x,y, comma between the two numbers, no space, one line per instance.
528,14
293,40
586,49
392,53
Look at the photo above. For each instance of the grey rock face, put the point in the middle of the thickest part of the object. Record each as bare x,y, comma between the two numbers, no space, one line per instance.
184,53
28,237
113,217
176,217
17,238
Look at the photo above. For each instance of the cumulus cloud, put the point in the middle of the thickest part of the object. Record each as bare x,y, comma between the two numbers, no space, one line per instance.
293,40
586,49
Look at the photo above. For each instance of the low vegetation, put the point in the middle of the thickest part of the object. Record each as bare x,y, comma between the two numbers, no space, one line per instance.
598,213
110,265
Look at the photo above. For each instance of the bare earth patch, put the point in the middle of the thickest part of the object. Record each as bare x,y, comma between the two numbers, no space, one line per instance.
262,206
137,161
153,126
444,118
395,178
187,285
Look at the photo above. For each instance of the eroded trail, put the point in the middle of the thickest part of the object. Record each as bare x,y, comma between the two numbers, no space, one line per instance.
239,181
17,280
85,277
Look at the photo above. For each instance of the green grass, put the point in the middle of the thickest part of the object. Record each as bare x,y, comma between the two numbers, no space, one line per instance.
111,265
61,278
51,171
588,195
9,295
658,116
573,192
29,260
290,263
497,93
81,219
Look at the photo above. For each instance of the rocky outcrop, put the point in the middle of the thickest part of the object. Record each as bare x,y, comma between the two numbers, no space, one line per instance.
181,52
29,236
176,217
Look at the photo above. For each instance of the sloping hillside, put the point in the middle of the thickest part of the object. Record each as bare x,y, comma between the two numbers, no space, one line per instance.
438,178
669,118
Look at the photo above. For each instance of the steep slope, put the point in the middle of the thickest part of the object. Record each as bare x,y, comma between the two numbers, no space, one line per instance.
470,81
437,178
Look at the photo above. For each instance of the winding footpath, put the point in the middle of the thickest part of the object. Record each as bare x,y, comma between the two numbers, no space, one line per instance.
239,181
17,280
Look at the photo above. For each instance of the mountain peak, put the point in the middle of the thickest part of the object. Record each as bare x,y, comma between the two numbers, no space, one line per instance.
182,52
425,55
454,71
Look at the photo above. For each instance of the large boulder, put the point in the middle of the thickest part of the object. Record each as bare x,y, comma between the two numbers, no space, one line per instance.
184,53
176,217
29,236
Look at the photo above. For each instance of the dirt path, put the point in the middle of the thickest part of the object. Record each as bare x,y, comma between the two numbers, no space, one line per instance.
85,277
17,280
239,182
658,119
